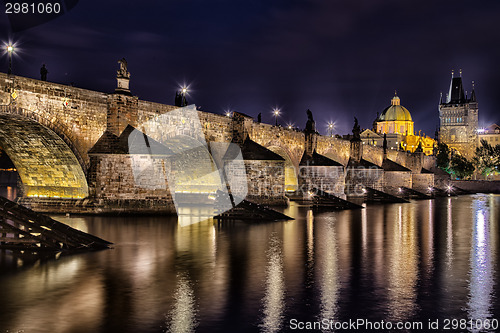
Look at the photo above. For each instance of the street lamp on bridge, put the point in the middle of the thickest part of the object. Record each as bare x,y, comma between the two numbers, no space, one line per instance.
331,127
10,50
276,113
184,91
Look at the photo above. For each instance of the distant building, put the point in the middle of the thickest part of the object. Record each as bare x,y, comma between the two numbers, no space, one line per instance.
395,119
396,123
491,134
458,116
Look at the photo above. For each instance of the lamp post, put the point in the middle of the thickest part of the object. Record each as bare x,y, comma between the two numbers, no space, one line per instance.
276,113
183,94
330,128
10,49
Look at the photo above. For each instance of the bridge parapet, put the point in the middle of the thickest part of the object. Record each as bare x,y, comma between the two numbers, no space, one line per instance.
291,141
76,115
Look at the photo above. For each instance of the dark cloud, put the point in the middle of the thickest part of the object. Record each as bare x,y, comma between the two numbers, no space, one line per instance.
338,58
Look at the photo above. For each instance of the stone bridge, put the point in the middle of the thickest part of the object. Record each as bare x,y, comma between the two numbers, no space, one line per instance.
48,130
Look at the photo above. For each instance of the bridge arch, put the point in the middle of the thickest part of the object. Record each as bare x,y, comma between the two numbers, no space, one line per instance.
46,165
54,124
291,180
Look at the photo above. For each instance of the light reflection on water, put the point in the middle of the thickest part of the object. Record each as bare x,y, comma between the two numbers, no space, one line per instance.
182,317
402,270
416,261
328,270
481,264
273,302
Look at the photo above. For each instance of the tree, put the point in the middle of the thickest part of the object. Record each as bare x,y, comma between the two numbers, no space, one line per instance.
487,159
443,157
461,167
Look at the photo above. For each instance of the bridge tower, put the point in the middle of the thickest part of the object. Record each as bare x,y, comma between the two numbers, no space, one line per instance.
458,117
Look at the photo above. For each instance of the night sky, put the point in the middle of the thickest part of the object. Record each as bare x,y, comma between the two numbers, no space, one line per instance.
338,58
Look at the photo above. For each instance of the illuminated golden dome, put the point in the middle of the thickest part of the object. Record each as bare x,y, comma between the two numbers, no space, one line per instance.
395,119
395,112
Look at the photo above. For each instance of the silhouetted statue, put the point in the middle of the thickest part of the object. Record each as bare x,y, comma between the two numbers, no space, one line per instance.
180,99
356,130
43,72
259,118
310,124
177,99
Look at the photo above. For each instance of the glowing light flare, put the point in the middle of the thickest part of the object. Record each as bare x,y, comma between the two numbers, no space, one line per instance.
331,126
276,113
10,48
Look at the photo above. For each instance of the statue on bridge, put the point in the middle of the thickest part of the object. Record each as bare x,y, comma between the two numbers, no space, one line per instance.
356,130
310,124
180,99
123,71
43,73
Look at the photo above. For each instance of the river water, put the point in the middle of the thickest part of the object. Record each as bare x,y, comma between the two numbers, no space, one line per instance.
433,262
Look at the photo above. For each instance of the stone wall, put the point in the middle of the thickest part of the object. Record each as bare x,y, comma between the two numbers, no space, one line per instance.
116,187
330,179
422,181
441,181
266,182
373,154
291,141
333,148
480,186
217,128
357,178
77,115
393,180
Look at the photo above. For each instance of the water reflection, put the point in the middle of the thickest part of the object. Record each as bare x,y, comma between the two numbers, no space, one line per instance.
78,304
449,235
328,270
182,317
481,264
310,243
274,299
403,255
426,259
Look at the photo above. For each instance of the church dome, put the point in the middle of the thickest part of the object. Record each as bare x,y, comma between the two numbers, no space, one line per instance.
395,112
